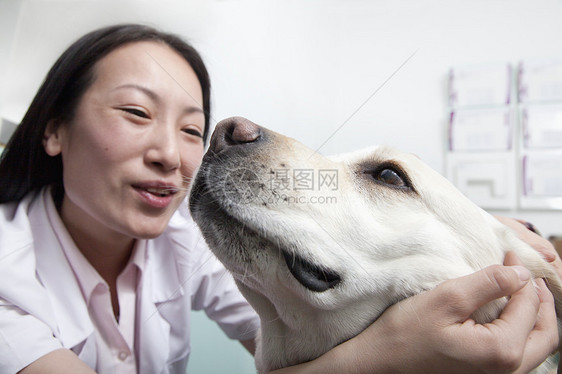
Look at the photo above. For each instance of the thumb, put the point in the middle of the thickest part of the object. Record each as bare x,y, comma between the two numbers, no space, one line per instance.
466,294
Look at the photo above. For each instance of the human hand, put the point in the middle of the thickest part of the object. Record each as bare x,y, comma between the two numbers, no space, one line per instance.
546,326
433,333
527,233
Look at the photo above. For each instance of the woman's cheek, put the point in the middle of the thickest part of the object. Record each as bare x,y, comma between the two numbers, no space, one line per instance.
193,161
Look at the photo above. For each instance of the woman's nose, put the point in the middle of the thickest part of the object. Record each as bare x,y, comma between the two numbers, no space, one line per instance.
234,131
164,150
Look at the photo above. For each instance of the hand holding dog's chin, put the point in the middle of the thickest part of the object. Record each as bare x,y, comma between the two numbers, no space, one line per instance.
433,333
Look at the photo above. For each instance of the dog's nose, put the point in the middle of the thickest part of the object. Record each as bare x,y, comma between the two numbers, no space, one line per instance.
234,131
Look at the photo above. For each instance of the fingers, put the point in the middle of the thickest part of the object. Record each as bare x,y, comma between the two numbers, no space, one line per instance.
529,226
544,337
540,244
547,319
521,311
512,259
529,318
464,295
519,339
497,346
500,345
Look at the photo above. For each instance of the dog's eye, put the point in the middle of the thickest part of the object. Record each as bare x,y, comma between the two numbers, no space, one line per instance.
389,176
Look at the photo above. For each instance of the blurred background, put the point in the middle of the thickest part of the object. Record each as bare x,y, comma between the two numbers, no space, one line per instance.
472,87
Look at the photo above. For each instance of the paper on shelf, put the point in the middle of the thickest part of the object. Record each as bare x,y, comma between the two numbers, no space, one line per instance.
480,86
480,130
542,126
540,81
542,175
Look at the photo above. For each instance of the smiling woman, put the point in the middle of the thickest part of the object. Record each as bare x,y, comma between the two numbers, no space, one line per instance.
90,186
137,177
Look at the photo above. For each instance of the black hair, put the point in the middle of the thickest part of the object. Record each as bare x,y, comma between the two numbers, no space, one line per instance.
24,164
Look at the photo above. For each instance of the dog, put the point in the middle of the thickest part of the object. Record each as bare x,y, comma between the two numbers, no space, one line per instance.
321,246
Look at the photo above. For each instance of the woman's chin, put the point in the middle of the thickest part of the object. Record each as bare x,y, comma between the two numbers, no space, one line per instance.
149,228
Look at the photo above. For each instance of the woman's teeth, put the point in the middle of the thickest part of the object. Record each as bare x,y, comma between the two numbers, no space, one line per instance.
159,191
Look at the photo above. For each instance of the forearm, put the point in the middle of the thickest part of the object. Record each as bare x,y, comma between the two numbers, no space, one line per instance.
354,356
61,361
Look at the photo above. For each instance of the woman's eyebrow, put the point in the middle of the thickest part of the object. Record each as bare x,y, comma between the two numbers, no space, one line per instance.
148,92
193,109
154,96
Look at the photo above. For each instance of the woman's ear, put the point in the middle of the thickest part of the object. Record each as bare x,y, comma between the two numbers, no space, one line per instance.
52,138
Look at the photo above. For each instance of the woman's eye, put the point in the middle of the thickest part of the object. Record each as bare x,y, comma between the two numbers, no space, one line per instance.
135,112
194,132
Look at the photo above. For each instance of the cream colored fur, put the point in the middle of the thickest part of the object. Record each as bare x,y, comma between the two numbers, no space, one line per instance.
384,243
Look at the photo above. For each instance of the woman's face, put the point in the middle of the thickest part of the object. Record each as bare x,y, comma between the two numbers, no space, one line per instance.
133,145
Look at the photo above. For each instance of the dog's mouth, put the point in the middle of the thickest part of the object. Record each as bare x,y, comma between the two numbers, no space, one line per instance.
314,277
311,276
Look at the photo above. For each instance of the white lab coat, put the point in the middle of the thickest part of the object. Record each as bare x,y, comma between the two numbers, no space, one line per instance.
42,308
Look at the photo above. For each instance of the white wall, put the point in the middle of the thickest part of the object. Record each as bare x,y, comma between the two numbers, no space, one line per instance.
305,67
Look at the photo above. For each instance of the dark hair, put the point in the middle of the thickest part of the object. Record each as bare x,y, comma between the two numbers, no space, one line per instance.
24,165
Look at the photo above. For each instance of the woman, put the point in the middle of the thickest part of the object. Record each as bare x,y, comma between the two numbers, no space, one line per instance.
91,179
100,268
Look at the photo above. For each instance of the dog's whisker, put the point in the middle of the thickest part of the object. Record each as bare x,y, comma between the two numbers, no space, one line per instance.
250,331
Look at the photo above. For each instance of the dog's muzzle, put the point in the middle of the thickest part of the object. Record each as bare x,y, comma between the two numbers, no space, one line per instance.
235,142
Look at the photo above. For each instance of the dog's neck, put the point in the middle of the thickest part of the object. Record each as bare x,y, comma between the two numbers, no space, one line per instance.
282,345
289,340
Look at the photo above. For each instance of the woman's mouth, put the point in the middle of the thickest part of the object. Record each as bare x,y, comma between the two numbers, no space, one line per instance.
159,192
157,195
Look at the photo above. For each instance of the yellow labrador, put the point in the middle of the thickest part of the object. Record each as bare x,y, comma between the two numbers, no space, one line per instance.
321,246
